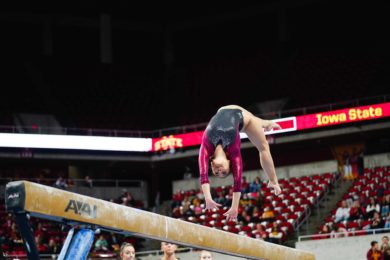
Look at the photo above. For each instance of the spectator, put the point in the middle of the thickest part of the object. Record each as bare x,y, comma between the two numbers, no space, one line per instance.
255,186
244,185
372,207
186,203
356,211
177,198
259,200
333,229
127,251
385,244
360,162
380,190
130,199
364,201
176,212
245,201
101,244
342,212
341,231
260,232
324,232
276,234
88,182
113,241
385,209
268,214
40,243
197,208
61,183
354,162
374,253
377,221
244,218
255,215
386,254
220,199
169,251
70,182
205,255
347,165
387,223
124,201
53,247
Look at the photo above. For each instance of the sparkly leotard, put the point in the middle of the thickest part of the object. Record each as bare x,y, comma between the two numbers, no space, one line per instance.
224,128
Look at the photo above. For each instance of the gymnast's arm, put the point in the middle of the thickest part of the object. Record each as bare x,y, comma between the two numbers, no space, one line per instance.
203,161
254,128
236,165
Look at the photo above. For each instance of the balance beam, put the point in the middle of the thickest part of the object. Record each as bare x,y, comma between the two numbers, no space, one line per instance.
67,207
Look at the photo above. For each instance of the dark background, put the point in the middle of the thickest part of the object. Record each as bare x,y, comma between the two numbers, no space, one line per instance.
174,64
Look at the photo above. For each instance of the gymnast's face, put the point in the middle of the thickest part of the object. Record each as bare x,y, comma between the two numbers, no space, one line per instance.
220,167
128,253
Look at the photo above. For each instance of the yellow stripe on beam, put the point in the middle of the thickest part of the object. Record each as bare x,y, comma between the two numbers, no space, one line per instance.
51,203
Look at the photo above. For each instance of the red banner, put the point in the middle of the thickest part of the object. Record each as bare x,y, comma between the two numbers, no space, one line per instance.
288,124
177,141
195,138
343,116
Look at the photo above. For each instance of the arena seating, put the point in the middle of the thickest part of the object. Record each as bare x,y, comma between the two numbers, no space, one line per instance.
374,183
289,209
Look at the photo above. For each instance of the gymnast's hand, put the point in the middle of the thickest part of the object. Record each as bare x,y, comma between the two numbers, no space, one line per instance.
211,204
269,125
275,186
231,214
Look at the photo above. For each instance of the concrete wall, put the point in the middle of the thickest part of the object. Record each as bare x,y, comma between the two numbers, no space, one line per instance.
341,248
377,160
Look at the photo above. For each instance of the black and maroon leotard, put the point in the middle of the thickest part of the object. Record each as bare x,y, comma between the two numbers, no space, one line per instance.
223,128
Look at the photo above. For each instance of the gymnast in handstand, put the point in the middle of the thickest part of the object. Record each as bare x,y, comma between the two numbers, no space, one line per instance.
221,146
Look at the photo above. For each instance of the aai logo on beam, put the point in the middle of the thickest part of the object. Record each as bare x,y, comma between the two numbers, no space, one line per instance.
82,208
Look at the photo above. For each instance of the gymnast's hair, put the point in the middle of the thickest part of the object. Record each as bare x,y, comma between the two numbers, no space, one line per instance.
125,244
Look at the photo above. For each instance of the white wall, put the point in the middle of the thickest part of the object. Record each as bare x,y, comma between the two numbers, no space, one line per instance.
377,160
354,248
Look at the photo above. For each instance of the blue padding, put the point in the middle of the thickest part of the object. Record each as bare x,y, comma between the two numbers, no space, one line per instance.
80,245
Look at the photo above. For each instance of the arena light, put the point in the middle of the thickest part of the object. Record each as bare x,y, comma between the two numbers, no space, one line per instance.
100,143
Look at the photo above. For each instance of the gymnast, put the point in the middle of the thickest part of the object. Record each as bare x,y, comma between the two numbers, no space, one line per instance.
221,146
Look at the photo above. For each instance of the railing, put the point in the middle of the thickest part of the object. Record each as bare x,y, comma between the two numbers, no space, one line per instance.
316,204
344,234
189,128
